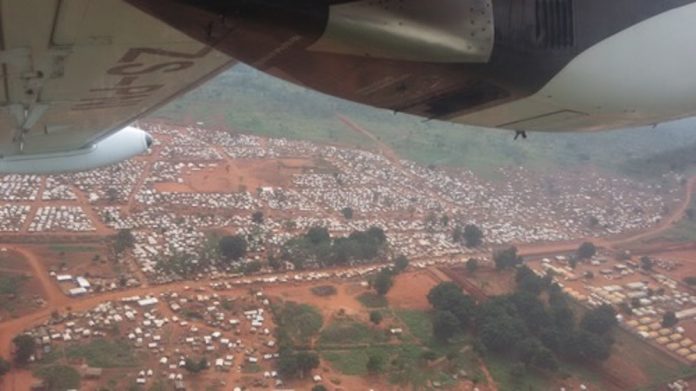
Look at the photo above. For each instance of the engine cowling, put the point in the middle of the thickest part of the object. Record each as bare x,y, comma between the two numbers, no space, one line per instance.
120,146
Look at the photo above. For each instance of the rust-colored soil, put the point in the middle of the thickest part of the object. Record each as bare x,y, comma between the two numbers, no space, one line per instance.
411,290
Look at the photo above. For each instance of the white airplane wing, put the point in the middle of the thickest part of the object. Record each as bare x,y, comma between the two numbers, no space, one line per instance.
76,71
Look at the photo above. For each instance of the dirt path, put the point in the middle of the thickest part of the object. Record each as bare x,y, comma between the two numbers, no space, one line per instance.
130,205
51,292
667,222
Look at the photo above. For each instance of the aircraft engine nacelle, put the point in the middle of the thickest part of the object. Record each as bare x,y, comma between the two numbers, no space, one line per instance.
115,148
449,31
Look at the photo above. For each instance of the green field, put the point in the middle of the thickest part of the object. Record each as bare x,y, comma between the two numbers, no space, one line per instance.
418,323
98,353
59,377
350,332
252,102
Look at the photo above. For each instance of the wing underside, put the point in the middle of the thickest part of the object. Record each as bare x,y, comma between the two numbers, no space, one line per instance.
75,71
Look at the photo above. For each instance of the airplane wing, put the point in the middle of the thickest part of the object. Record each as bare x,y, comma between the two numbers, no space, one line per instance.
77,71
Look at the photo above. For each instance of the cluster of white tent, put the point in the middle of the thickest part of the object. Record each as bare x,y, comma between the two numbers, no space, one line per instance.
61,218
56,190
19,187
13,216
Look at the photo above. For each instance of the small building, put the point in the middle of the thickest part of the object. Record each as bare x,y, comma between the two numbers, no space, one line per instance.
148,301
77,291
83,283
92,373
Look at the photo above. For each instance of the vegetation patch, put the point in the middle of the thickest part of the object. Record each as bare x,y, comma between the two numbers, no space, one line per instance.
373,300
251,368
59,377
344,332
297,323
419,323
10,285
69,248
324,290
99,353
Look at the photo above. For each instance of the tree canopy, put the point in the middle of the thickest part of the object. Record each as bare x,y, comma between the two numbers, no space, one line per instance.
347,212
383,281
445,325
233,247
506,258
586,250
599,320
536,329
24,348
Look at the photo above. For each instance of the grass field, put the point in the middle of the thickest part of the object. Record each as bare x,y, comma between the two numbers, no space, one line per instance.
59,377
350,332
98,353
418,323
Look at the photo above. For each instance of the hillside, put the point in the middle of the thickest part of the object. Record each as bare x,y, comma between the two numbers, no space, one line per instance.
252,102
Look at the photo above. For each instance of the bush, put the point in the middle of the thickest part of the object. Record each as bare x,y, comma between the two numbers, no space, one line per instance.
372,300
324,290
233,247
24,348
383,282
297,323
376,317
586,250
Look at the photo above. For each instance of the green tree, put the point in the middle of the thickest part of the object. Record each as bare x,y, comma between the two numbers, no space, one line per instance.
124,240
25,345
376,317
586,250
472,265
306,362
194,366
646,263
528,281
473,236
317,235
347,213
383,282
233,247
375,363
506,258
599,320
444,295
447,296
445,325
400,263
296,364
257,217
669,319
589,346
